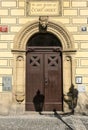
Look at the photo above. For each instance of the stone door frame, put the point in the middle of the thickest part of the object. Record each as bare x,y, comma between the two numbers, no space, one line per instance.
19,52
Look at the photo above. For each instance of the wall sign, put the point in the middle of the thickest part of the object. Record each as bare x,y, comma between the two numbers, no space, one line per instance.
83,29
81,88
43,8
3,28
78,79
7,83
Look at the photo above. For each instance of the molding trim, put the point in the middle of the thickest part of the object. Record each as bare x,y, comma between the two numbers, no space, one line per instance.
30,29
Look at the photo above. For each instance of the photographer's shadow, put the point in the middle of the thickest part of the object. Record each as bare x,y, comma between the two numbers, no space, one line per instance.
38,101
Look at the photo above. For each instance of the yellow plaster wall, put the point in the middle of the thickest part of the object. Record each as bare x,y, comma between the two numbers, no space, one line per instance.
74,17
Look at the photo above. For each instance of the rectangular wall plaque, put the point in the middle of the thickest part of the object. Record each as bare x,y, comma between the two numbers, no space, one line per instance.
81,88
78,79
7,83
43,8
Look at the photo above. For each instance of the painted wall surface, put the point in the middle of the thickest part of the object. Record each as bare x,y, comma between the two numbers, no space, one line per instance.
13,16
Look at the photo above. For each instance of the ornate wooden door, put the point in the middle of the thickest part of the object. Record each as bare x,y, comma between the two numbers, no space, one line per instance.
44,74
53,88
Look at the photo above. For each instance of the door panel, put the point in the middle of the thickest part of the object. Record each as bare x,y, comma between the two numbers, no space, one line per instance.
34,78
53,88
44,74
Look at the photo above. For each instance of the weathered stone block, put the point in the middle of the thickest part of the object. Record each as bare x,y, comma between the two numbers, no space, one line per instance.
79,20
66,3
15,28
8,20
5,71
84,12
3,62
3,12
17,12
79,4
7,37
72,12
8,4
80,37
21,3
82,71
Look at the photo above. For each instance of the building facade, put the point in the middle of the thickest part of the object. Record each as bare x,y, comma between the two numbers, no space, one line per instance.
43,46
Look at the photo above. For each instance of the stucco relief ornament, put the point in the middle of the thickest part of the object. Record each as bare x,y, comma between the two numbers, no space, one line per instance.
43,22
19,97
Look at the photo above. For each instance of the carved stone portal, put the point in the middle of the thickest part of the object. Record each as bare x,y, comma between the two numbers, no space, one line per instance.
19,51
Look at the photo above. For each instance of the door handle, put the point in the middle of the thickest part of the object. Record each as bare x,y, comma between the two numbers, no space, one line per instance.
46,82
46,79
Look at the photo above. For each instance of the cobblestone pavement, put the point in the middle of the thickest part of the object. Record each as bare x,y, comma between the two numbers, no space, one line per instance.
42,122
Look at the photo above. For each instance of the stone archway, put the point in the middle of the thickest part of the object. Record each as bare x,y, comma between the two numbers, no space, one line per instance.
19,51
28,30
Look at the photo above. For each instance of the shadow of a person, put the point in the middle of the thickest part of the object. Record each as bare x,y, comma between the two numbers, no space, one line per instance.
38,101
72,98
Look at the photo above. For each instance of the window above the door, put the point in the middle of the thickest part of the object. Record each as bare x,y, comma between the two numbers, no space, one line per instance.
44,39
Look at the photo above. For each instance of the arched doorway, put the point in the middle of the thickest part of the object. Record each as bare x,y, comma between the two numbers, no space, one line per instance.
19,52
44,71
